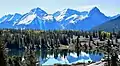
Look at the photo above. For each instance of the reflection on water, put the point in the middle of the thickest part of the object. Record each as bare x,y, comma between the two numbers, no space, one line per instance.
50,57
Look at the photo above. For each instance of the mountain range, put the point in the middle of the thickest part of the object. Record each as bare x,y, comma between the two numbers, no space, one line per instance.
67,19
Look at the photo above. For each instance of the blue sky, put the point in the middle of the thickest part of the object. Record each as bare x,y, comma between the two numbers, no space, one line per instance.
109,7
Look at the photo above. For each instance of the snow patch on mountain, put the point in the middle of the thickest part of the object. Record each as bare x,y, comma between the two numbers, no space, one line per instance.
48,17
83,17
72,21
61,16
73,16
28,19
3,19
62,26
11,18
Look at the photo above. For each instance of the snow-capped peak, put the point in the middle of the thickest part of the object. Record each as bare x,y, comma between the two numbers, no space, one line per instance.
38,11
95,9
29,17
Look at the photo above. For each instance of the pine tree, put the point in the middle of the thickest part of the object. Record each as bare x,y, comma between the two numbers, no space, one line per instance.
91,38
30,58
116,40
3,55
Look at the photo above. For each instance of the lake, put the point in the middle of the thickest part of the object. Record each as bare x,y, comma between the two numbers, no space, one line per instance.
50,57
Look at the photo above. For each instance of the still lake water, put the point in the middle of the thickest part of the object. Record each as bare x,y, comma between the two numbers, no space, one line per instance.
50,57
